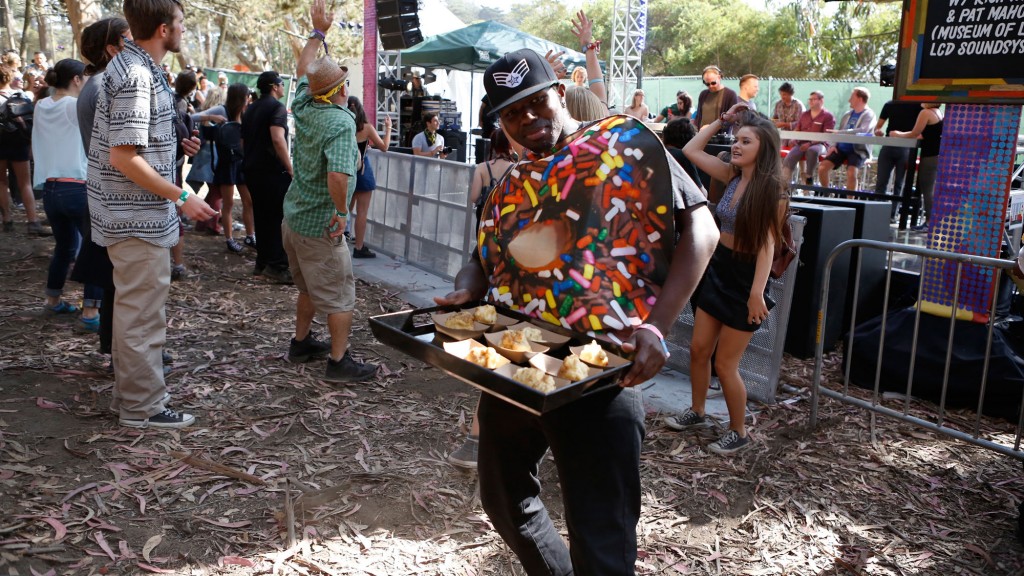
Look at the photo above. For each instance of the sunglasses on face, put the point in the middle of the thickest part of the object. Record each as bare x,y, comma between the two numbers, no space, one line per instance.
710,84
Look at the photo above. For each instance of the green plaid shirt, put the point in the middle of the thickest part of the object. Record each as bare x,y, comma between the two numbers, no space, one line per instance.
325,141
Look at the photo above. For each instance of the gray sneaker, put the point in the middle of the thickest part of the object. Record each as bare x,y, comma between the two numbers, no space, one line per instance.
731,442
465,456
690,420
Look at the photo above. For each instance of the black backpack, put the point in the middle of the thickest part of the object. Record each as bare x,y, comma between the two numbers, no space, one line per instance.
229,141
16,117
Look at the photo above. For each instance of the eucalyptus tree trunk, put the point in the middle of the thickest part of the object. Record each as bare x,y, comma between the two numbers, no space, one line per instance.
8,23
221,37
44,29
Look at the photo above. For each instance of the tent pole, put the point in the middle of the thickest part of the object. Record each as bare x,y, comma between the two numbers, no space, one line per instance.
470,141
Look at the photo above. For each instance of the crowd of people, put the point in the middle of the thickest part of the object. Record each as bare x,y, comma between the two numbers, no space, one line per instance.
115,203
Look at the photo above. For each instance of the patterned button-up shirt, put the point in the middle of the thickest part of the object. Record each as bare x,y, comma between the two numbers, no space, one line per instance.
135,107
325,141
789,114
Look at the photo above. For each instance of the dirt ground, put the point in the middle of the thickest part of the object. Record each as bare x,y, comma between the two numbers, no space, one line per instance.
285,473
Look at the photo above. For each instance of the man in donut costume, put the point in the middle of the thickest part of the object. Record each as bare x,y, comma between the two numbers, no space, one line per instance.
600,231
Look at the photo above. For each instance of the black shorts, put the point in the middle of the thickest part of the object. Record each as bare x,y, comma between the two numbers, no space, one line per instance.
14,151
839,157
725,288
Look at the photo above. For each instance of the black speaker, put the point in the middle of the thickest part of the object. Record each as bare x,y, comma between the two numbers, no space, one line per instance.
398,23
826,228
457,141
871,222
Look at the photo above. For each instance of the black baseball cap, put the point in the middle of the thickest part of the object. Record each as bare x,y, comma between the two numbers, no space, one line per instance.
515,76
268,79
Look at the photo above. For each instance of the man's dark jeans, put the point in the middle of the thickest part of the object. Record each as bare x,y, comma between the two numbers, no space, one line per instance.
892,160
267,190
596,445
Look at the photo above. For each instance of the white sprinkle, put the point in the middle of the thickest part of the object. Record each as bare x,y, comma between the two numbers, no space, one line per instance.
654,236
536,176
614,338
611,213
558,274
617,181
572,214
624,251
623,270
611,322
544,274
618,310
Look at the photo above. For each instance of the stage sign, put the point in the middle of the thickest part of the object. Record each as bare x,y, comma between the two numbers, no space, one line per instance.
961,51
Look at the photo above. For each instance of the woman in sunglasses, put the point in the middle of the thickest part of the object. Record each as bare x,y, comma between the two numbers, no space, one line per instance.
715,99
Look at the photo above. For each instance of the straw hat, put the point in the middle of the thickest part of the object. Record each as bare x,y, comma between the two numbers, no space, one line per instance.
324,74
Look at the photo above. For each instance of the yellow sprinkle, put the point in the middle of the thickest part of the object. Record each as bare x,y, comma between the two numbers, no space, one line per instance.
527,297
607,158
529,190
588,271
508,209
616,290
602,175
661,209
554,191
551,299
502,289
615,123
594,322
480,239
619,163
548,317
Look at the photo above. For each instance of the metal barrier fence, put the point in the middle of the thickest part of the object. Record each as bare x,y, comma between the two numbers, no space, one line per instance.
420,214
937,419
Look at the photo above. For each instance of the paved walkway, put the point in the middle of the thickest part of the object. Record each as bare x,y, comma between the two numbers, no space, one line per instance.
668,393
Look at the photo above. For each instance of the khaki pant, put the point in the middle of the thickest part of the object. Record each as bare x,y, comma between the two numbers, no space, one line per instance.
142,278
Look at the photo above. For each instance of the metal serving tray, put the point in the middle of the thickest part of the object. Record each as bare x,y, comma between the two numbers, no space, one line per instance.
412,332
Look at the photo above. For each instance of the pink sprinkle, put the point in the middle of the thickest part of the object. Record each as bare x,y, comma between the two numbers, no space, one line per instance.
590,148
651,300
568,184
588,256
579,279
576,315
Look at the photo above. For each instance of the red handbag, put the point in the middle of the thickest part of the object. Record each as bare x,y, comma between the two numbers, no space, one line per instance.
785,252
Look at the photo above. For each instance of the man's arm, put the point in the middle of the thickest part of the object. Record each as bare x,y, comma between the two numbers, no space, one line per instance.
697,241
281,148
128,162
337,187
322,21
470,284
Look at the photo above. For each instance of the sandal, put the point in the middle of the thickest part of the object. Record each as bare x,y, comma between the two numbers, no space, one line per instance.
62,307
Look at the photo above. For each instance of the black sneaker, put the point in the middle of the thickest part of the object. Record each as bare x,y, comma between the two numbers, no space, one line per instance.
348,370
178,272
166,419
166,358
307,349
690,420
465,456
37,229
278,275
731,442
363,252
233,246
250,241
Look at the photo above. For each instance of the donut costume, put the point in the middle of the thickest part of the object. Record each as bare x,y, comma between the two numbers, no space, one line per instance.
581,238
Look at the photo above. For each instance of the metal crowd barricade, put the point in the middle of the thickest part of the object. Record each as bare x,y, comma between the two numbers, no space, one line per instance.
876,404
420,211
420,214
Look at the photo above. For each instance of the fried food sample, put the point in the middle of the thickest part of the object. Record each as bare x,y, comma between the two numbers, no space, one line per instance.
460,321
535,379
573,369
532,334
487,357
515,340
594,355
485,314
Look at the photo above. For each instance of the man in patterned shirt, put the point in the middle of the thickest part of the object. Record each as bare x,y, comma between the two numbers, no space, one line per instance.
314,207
131,201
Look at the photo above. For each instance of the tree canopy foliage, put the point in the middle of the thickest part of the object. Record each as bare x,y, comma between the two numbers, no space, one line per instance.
784,39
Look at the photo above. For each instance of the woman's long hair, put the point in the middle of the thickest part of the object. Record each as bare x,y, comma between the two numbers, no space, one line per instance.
583,105
758,214
238,96
95,39
357,108
634,103
501,148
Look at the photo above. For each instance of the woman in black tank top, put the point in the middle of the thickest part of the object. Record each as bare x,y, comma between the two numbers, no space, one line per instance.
929,129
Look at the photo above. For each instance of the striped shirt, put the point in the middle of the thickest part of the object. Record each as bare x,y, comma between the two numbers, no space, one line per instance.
135,107
325,141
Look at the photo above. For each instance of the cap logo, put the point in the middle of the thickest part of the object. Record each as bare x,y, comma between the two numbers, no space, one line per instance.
514,78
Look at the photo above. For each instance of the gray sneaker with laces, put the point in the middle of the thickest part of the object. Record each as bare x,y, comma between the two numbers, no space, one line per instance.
731,442
690,420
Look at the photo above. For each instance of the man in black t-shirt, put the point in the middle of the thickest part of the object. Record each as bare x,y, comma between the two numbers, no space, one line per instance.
892,160
268,173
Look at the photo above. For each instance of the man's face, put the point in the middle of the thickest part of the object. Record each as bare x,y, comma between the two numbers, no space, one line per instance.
16,82
175,31
40,60
816,102
713,80
786,97
278,91
433,124
752,87
535,122
855,100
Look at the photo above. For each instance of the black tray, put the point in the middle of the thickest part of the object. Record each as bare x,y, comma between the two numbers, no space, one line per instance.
412,332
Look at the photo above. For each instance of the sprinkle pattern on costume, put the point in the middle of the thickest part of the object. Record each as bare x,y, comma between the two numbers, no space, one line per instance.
588,223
